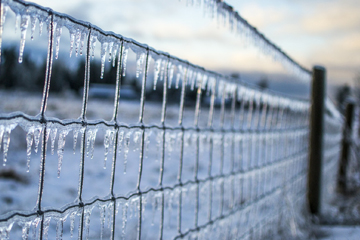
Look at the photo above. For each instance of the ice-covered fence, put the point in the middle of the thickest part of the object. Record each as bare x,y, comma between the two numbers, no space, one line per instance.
235,168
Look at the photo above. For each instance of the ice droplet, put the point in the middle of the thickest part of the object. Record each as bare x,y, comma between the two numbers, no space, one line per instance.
29,142
23,27
126,148
58,32
46,227
124,59
60,151
104,47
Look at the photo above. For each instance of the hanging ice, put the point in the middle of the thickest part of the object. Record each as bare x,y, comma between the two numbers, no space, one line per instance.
124,219
41,24
26,230
102,209
5,231
126,147
90,142
108,142
29,142
124,60
46,227
140,60
93,40
171,74
72,40
6,140
87,215
157,66
72,223
33,21
4,9
58,32
115,49
60,151
104,47
76,133
53,133
111,45
60,228
23,28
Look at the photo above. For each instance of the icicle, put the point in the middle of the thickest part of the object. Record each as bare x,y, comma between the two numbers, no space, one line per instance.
102,219
6,141
104,47
120,140
4,9
60,228
136,139
25,230
53,134
77,42
72,223
108,142
41,24
124,219
159,139
90,142
76,133
155,206
72,40
93,45
29,142
171,74
5,231
33,26
23,28
60,151
157,66
82,43
115,49
126,148
46,227
2,130
162,69
111,45
17,20
124,60
87,214
140,60
147,142
58,32
178,76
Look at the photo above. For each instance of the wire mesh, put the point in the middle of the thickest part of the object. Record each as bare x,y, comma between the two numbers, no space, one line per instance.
235,168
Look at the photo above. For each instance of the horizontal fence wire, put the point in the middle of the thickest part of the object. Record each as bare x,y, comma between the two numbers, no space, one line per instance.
242,178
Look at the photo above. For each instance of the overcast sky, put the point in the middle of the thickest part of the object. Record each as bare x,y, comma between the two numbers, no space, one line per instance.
325,32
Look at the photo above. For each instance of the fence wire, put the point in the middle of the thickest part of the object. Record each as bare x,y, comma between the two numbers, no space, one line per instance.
233,169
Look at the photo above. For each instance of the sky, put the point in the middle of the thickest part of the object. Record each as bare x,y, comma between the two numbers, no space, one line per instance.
317,32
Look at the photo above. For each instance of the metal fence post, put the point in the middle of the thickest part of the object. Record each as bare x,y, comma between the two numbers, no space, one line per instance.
318,96
346,144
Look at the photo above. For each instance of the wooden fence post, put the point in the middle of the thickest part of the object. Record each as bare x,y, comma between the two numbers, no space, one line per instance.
345,151
318,96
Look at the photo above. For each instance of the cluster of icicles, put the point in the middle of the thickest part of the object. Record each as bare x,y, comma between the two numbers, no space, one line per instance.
229,17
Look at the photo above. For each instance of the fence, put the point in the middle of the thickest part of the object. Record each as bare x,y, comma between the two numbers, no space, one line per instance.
234,171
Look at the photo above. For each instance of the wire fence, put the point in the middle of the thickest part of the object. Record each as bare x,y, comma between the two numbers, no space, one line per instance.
235,168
